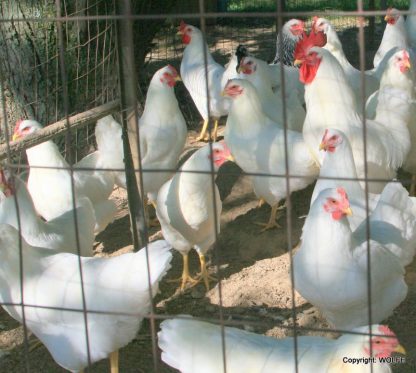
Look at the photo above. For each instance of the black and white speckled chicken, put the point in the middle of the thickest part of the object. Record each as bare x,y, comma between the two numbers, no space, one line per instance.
292,31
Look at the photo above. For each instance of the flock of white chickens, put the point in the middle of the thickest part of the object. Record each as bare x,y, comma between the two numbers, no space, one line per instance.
357,238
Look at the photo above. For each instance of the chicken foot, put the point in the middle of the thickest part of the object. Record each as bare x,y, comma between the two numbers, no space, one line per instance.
272,223
186,277
204,275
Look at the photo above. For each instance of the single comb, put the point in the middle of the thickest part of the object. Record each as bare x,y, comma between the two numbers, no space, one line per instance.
385,330
303,46
182,25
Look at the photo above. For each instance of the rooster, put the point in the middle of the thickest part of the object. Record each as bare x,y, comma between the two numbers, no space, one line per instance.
50,182
191,346
258,146
331,266
186,211
330,103
116,292
195,77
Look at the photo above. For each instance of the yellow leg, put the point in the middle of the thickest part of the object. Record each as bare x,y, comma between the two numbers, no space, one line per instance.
214,134
114,362
261,202
203,131
204,275
272,223
186,277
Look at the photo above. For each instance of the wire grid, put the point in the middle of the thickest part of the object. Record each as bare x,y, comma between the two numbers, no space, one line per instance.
201,18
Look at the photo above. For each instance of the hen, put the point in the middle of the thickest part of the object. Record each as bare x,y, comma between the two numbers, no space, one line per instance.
338,164
258,145
330,268
292,31
194,76
258,73
185,208
116,289
196,346
394,35
57,234
50,183
333,44
330,103
162,131
398,81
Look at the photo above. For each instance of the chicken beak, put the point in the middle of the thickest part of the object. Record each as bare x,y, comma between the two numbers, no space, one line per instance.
322,146
348,211
15,137
400,349
387,18
297,62
230,158
407,65
239,69
178,78
223,93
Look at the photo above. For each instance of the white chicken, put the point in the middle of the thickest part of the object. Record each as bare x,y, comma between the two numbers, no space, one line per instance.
393,203
197,346
258,146
113,159
330,103
258,73
50,183
57,234
116,290
331,266
194,76
292,31
394,35
398,81
186,211
162,122
333,44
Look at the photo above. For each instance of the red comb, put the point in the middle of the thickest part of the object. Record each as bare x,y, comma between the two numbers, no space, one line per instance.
312,40
182,26
324,136
314,19
341,191
173,70
385,330
18,123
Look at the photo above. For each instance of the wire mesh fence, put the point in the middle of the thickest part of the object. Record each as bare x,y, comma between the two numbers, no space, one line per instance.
64,58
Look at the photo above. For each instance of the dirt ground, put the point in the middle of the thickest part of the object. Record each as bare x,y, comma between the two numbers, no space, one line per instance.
255,283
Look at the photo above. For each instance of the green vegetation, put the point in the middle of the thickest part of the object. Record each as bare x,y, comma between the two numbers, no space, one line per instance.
305,5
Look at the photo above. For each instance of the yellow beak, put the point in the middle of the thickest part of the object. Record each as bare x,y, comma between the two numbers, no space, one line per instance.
322,146
15,137
223,94
179,33
386,18
297,62
407,64
178,78
400,349
230,158
348,211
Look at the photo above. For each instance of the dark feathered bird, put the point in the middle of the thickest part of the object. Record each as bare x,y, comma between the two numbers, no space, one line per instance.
292,31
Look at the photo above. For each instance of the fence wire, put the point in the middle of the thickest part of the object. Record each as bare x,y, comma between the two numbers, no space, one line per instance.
74,64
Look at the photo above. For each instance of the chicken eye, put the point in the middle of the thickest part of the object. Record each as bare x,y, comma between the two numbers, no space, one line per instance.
249,63
189,29
333,138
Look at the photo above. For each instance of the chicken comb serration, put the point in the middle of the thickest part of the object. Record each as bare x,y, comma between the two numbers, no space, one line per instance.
18,123
173,70
385,330
314,39
341,191
182,25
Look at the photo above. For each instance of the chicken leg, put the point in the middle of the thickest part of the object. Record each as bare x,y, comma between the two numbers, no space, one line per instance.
204,136
151,222
204,275
186,277
272,223
114,362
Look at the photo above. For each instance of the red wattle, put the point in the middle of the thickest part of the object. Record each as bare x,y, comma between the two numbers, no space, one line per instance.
186,39
307,72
